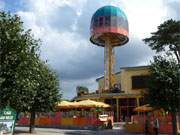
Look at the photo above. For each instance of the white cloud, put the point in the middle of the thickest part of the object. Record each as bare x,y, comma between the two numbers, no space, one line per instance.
144,16
63,27
70,89
173,7
64,50
30,20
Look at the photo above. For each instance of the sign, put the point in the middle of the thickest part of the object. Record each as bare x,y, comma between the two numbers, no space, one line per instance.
7,121
103,117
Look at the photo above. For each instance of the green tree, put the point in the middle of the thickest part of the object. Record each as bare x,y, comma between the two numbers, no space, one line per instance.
26,82
47,92
81,90
166,38
17,62
164,89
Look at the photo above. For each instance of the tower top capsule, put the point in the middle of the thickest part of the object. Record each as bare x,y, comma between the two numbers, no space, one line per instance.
109,22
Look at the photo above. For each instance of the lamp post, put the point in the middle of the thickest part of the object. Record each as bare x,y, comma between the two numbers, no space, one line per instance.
178,116
179,77
179,86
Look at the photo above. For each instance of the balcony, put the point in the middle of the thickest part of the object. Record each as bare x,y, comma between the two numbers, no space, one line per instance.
105,95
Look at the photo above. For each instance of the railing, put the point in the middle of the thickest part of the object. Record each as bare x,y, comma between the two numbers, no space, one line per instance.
95,95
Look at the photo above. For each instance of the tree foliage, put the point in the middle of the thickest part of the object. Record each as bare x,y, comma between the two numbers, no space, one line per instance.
26,82
47,90
166,38
82,90
164,87
17,63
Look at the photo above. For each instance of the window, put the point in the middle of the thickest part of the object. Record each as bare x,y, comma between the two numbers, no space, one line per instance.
101,21
113,21
96,22
139,82
110,101
132,102
107,21
123,102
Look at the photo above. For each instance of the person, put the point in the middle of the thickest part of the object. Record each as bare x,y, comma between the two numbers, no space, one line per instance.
147,126
109,124
156,126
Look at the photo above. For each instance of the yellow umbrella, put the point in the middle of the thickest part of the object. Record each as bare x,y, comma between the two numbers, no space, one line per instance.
81,104
65,105
90,103
143,108
103,105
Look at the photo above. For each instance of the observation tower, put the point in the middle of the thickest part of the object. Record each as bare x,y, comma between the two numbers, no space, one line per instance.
109,28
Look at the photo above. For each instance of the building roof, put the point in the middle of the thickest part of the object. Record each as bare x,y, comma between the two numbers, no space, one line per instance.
134,68
106,95
126,68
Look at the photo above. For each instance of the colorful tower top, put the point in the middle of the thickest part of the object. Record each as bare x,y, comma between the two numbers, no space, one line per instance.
109,22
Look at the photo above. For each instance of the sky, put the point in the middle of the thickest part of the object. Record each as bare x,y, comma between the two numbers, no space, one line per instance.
63,27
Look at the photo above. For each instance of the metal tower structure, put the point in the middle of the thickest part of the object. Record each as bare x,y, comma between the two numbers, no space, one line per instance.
109,28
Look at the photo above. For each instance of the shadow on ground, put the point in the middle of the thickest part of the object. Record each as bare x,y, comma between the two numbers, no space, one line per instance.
93,132
56,131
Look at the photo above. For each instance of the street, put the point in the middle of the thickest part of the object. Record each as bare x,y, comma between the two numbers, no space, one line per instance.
53,131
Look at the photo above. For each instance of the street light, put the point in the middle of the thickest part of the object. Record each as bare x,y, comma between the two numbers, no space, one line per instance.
179,84
179,77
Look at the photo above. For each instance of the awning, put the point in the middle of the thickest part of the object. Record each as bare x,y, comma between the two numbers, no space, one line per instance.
81,104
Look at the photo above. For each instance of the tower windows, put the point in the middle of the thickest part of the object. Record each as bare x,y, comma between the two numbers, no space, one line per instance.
101,21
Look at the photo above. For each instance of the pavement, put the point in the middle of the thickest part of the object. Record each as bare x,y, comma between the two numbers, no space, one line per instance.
54,131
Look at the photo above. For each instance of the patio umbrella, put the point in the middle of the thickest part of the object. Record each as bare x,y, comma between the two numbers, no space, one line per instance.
65,105
90,103
103,105
143,108
81,104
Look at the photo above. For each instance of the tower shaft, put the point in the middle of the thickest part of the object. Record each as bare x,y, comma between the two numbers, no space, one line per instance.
108,65
109,28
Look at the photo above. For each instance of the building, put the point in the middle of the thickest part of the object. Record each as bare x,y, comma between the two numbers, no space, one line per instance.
126,94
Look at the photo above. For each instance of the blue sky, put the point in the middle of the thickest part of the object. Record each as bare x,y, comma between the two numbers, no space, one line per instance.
63,27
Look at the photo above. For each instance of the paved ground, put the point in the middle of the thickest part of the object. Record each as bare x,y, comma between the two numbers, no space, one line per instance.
51,131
